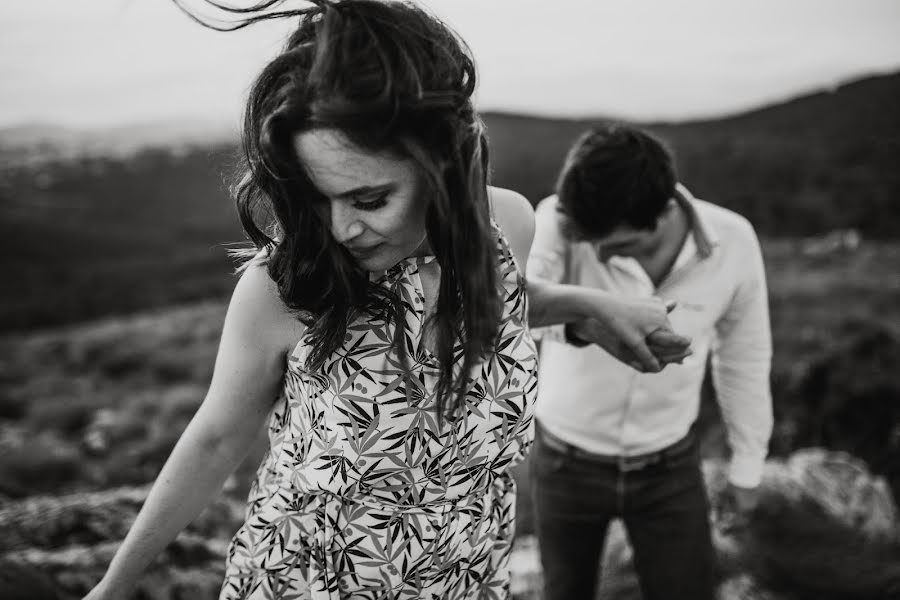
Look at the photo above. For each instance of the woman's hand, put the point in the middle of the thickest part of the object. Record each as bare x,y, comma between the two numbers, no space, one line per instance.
634,330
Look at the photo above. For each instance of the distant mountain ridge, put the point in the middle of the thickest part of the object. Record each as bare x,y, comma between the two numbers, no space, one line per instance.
864,106
871,101
36,143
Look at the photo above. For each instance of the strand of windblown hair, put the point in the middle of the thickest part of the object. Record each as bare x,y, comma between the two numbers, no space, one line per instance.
263,11
248,15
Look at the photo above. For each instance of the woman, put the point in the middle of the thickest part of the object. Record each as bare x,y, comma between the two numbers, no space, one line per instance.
380,330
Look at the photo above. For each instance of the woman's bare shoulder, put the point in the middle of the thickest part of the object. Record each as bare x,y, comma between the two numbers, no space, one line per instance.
515,217
257,309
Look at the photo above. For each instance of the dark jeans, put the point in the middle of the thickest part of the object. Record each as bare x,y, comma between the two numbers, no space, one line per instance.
664,508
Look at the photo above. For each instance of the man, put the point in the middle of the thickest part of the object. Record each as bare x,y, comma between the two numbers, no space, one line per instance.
613,442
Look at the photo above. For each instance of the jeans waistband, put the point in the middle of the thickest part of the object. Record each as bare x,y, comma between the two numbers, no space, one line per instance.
624,463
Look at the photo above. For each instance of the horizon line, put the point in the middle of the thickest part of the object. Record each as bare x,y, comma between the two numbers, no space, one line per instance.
220,125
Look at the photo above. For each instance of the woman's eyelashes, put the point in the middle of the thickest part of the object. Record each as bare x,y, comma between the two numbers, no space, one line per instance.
371,203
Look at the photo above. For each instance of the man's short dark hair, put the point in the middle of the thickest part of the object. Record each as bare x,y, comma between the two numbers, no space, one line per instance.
614,176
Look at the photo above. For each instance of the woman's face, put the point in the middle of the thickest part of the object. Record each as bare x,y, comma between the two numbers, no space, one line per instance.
374,201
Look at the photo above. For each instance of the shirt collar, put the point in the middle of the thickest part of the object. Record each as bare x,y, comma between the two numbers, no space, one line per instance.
704,236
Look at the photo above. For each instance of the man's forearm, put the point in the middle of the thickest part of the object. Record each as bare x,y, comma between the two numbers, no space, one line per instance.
742,391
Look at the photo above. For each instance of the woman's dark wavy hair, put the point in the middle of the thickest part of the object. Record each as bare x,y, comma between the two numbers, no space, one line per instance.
392,78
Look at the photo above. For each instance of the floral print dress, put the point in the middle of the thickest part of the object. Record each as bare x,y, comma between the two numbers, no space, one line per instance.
362,495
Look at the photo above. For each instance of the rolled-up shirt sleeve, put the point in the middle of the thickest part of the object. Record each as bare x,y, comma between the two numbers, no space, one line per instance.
547,259
741,362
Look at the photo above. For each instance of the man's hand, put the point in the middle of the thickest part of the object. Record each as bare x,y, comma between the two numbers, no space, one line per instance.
637,332
669,347
735,507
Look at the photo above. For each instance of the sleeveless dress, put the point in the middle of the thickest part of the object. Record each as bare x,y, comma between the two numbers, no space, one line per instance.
362,495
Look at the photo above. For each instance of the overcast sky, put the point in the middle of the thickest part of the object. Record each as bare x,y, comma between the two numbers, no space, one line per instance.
98,63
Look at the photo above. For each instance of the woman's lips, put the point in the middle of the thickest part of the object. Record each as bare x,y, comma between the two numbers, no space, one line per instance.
362,252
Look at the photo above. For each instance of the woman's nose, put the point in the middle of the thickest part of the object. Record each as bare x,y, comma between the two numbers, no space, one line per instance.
345,222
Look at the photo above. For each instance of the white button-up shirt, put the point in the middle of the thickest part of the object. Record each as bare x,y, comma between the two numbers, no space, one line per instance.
592,401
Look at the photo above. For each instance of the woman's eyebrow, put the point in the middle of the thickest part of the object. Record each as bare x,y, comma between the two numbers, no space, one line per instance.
364,190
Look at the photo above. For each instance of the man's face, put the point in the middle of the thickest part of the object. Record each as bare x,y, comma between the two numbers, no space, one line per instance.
626,241
638,243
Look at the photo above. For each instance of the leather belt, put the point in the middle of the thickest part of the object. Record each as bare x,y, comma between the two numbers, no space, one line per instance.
623,462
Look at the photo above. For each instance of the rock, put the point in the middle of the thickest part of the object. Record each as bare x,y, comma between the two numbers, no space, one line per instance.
84,519
190,560
74,537
848,399
52,522
842,486
835,483
825,528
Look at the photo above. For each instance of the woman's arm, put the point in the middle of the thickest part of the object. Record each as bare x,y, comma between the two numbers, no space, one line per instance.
634,330
249,369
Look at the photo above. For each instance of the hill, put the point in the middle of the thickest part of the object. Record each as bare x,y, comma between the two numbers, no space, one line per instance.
93,225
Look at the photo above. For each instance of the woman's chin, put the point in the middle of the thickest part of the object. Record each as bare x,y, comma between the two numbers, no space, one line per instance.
377,263
384,257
